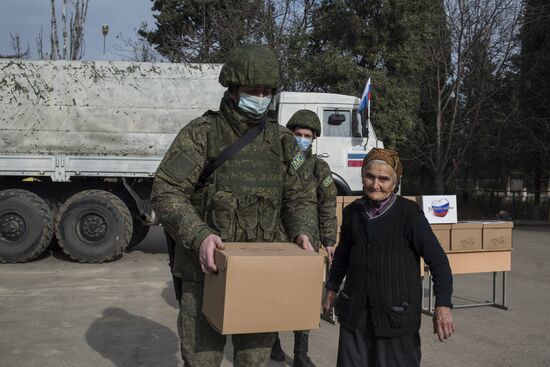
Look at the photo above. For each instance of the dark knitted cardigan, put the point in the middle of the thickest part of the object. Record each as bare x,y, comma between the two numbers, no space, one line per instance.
380,258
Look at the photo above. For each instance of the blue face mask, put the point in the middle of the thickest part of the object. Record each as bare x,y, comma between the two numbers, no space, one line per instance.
253,104
303,143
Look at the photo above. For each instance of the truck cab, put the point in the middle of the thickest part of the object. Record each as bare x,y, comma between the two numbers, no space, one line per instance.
346,135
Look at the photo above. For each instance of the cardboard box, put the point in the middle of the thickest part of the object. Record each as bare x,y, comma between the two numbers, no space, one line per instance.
443,234
497,235
263,287
346,200
337,237
466,236
411,198
339,209
439,209
480,262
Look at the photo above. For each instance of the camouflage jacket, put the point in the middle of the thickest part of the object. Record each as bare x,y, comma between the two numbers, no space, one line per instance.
326,199
262,194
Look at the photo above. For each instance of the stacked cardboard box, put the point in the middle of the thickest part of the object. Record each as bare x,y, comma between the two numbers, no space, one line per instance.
463,236
466,236
497,235
341,203
443,234
339,209
481,236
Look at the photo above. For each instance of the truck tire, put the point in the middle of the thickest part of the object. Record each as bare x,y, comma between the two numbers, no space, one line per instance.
26,226
139,231
93,226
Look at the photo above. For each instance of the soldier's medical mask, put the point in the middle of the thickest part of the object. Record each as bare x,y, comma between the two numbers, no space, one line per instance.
253,104
303,143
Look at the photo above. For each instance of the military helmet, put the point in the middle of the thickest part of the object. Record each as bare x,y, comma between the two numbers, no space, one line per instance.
251,66
305,119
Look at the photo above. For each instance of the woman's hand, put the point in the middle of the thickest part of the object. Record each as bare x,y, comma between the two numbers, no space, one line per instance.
328,302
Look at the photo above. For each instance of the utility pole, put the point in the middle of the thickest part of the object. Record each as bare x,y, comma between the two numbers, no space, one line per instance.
104,30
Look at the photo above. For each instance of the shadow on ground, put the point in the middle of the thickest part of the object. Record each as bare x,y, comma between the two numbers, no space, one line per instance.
153,243
131,340
169,294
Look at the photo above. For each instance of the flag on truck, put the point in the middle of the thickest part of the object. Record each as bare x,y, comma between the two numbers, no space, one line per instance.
365,99
356,159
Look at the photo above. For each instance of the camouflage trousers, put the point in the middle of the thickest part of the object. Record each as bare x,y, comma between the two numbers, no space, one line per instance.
202,346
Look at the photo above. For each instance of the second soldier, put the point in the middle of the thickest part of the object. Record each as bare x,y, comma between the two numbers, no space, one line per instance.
305,126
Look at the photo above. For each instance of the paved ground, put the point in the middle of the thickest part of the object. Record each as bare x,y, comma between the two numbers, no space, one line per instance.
54,312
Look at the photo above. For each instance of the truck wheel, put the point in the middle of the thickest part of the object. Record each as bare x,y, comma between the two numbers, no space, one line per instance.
139,232
26,226
93,226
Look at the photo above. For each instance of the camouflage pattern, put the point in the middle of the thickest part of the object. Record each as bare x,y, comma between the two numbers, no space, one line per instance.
251,66
262,194
200,344
326,201
305,119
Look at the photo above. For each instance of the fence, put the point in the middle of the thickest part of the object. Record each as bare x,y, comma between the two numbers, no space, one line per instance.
502,204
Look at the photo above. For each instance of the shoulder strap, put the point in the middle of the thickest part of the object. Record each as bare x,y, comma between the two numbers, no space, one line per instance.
229,152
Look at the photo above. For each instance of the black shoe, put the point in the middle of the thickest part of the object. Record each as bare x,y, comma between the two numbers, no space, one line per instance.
301,359
277,353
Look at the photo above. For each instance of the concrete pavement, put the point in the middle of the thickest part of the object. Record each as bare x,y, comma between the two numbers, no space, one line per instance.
54,312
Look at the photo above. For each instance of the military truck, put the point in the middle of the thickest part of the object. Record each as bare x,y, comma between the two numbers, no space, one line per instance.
80,142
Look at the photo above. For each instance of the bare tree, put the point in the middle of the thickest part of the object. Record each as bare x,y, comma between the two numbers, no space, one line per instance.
54,39
467,54
40,45
139,49
64,21
18,51
76,29
74,44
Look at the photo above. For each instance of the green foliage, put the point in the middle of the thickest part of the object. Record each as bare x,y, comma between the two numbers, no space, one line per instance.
205,30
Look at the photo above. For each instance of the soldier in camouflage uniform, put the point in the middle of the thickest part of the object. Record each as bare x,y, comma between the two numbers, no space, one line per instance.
260,194
305,126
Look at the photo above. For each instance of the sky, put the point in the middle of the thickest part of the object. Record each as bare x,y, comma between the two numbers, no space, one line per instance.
25,17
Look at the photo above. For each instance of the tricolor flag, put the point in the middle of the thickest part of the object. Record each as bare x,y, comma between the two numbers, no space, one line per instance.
356,159
365,99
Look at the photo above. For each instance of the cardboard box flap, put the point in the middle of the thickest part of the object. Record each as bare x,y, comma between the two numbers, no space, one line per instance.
440,226
467,225
350,199
220,259
498,224
248,249
411,198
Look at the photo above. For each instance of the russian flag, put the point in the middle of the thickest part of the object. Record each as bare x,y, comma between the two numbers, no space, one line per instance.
356,159
365,98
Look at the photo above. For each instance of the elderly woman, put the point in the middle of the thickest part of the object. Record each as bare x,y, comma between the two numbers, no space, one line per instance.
383,238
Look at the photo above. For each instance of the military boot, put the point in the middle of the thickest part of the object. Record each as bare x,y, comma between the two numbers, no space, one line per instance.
277,353
301,358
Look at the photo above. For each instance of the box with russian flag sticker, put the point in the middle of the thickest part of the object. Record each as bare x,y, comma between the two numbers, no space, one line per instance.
439,209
